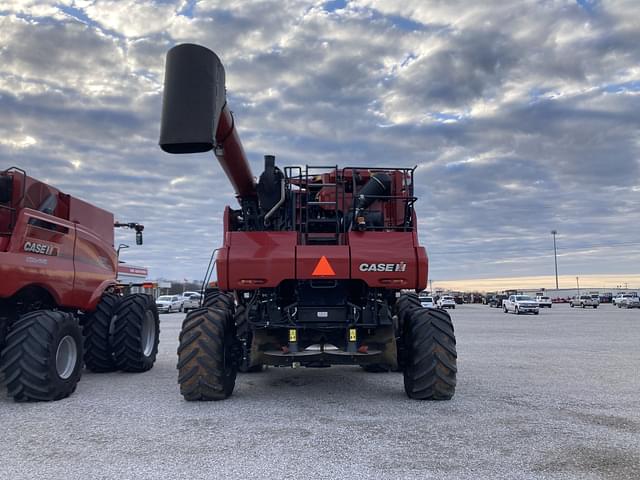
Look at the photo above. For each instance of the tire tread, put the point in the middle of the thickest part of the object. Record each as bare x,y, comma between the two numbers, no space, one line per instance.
431,366
202,373
127,333
98,352
28,359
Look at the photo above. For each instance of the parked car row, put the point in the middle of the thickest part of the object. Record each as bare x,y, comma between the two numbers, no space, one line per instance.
178,303
622,300
519,303
445,301
526,304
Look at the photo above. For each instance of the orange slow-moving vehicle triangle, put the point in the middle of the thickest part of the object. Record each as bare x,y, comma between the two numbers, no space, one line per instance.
323,268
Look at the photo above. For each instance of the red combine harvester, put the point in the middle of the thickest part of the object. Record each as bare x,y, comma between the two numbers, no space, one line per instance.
313,263
57,306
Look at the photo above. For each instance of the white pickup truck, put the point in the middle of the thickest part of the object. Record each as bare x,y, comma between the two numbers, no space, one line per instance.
192,301
520,304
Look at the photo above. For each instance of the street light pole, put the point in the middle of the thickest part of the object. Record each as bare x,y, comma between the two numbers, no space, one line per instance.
578,285
555,254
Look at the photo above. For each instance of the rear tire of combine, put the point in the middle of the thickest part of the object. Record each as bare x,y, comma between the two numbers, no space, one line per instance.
431,364
214,298
207,367
98,352
405,304
136,333
407,299
42,358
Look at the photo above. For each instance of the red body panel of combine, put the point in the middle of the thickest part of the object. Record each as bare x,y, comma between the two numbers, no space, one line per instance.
251,260
54,242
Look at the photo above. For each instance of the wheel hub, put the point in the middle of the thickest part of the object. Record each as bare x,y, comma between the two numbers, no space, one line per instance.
148,337
66,357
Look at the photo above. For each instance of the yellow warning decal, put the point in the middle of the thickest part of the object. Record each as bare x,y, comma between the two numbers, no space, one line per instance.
352,335
293,335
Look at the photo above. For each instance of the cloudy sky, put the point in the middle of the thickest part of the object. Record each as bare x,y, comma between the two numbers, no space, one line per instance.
522,117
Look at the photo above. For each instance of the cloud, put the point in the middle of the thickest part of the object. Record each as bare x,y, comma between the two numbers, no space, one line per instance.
521,118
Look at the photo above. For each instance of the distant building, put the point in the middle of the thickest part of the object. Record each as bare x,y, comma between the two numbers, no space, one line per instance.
131,274
133,279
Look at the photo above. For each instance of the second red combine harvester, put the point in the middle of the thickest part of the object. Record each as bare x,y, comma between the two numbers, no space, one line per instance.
59,307
313,263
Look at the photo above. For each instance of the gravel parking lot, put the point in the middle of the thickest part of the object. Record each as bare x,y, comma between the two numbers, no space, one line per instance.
550,396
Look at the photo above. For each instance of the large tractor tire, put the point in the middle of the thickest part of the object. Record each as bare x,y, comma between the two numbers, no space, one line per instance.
136,333
42,358
408,299
207,364
405,304
245,336
98,351
430,369
214,298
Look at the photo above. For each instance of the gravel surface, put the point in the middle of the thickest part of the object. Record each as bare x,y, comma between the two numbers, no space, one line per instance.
550,396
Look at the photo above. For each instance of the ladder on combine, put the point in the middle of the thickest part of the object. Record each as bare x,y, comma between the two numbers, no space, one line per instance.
315,229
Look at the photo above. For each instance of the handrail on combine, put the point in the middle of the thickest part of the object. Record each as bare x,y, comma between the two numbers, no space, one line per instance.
306,184
408,199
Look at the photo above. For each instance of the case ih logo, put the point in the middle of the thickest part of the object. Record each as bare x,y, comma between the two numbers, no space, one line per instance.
40,248
383,267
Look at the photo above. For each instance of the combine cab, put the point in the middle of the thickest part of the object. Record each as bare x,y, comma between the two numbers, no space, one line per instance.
313,263
57,306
